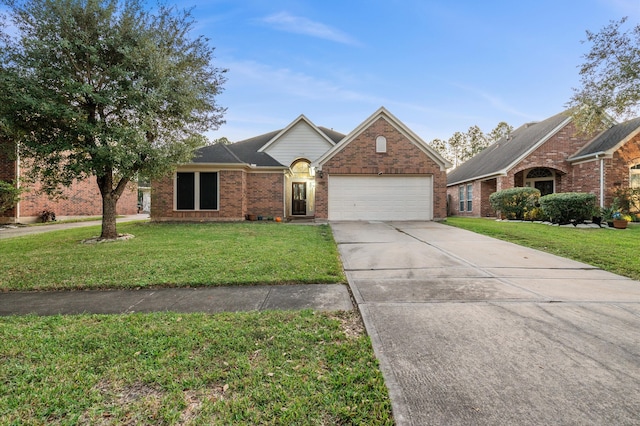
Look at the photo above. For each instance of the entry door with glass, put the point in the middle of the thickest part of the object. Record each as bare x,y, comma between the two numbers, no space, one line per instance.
299,198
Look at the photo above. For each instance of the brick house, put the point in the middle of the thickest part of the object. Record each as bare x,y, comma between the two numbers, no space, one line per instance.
551,156
82,198
379,171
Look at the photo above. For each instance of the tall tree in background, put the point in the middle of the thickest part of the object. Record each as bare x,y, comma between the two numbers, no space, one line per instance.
502,130
105,88
610,77
462,146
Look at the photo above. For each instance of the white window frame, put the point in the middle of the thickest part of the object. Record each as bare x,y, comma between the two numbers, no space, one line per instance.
634,171
469,197
381,144
461,196
196,191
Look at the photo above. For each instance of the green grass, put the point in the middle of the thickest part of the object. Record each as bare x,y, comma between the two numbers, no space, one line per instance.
166,368
612,250
172,255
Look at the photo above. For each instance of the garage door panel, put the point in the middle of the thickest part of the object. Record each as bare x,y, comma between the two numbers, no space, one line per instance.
380,197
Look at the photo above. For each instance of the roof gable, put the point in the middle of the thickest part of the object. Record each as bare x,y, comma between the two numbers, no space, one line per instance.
506,153
300,139
609,141
383,113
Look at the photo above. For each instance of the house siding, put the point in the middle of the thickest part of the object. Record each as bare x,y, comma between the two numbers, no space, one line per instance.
359,157
301,141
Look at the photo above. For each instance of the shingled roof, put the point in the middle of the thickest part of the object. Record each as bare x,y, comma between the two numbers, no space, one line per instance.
609,140
507,152
247,151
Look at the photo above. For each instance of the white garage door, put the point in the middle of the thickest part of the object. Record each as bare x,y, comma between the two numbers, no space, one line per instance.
380,197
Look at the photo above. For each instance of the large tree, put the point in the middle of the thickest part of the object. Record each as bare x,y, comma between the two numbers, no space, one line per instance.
610,77
462,146
106,89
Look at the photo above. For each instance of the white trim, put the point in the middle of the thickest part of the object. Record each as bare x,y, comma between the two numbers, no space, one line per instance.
537,144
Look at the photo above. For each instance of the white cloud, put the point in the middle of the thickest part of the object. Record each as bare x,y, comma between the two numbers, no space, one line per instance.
284,21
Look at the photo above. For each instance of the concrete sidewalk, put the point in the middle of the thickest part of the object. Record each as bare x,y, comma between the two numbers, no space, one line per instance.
473,330
323,297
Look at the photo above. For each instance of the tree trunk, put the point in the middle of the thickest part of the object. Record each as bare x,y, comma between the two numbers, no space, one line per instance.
110,199
109,217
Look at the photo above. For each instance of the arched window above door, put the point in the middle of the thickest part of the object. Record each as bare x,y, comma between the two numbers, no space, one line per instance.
301,169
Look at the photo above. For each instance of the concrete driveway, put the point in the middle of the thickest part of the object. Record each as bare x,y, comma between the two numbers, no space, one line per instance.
473,330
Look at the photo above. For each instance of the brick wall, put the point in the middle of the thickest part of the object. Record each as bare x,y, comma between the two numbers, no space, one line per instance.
265,194
480,205
82,198
359,157
232,200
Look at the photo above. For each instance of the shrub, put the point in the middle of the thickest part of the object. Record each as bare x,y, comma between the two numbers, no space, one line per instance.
515,203
628,199
569,207
9,195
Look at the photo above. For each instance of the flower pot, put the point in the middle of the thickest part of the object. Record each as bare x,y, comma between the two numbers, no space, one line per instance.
620,223
251,217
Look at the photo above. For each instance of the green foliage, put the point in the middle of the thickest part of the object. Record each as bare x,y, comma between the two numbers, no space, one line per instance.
251,368
569,207
608,249
173,255
462,146
515,203
9,195
627,200
609,77
105,88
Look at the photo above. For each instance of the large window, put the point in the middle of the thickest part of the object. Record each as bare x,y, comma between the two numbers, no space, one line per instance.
197,191
469,197
634,176
461,196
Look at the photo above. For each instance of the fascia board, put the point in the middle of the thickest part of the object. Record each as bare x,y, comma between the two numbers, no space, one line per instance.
483,177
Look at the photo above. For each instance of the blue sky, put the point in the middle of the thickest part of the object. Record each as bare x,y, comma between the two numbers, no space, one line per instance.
439,66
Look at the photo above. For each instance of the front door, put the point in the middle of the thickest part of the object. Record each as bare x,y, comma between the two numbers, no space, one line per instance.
299,199
544,186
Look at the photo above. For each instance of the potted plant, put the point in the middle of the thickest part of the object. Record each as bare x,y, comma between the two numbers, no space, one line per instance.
620,220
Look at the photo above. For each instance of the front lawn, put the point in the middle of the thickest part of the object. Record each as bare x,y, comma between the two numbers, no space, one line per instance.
612,250
173,255
174,369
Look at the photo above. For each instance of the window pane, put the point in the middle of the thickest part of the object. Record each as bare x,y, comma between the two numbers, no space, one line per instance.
208,191
185,191
461,196
469,197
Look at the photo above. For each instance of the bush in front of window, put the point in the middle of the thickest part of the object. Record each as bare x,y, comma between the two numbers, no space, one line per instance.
569,207
515,203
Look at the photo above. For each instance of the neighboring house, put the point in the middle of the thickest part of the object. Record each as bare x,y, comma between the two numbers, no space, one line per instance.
82,198
551,156
379,171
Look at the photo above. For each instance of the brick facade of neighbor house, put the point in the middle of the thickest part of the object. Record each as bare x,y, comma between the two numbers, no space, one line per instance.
359,157
555,154
82,198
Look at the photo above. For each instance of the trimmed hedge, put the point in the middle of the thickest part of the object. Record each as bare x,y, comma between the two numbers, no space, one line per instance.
568,207
515,203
